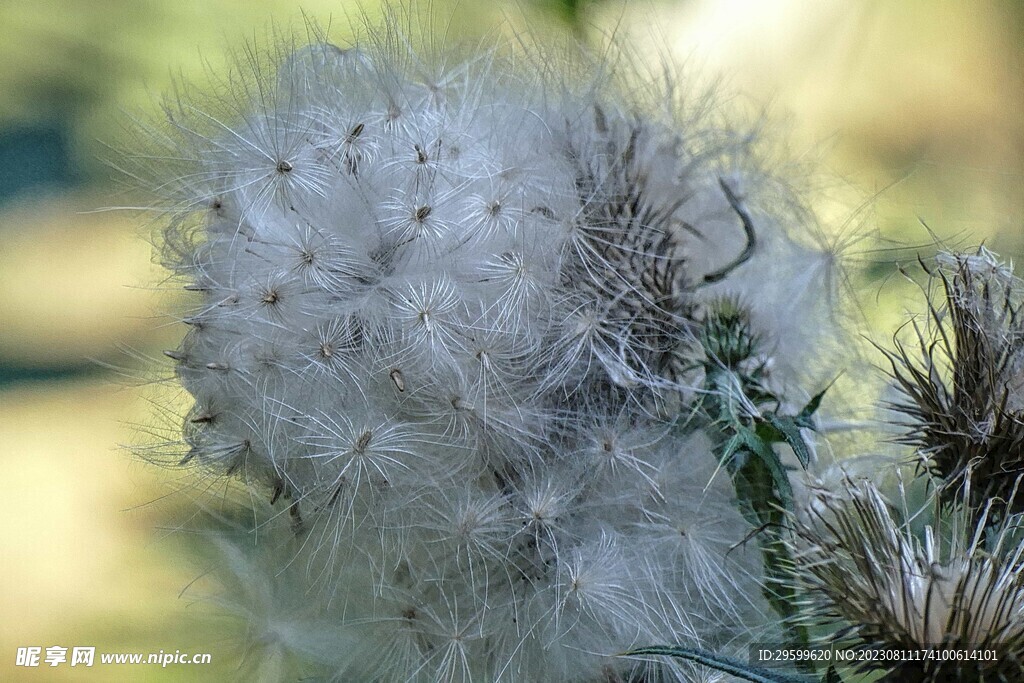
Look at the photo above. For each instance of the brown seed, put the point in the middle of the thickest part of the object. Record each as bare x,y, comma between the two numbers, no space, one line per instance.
296,514
337,493
363,441
398,379
600,122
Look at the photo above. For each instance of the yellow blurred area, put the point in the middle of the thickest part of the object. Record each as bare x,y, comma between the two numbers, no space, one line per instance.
76,284
918,104
83,563
915,106
112,56
911,113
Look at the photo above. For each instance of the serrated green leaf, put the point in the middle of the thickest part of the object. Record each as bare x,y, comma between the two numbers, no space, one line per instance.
754,489
767,455
767,431
803,418
789,430
731,446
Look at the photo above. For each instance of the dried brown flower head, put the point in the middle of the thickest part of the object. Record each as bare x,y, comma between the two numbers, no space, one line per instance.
888,584
962,377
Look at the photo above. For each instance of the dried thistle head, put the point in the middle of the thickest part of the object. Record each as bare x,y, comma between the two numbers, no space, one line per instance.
886,581
444,316
962,378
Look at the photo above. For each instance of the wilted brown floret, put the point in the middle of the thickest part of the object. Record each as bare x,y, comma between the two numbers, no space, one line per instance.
962,377
945,590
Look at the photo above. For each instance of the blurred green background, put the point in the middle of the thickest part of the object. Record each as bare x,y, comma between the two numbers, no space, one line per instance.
913,108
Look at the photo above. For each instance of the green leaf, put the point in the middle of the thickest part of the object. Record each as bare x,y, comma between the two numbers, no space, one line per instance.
728,451
724,664
780,478
763,491
788,429
754,493
803,418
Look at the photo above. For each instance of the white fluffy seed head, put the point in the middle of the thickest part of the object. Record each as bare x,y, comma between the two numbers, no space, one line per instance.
438,320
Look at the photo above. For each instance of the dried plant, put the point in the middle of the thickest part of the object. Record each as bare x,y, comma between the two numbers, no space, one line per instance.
879,577
962,377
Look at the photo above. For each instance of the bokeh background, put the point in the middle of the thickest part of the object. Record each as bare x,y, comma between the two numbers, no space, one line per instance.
912,109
